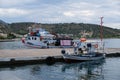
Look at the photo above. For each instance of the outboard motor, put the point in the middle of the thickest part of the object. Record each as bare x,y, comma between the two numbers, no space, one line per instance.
89,45
63,51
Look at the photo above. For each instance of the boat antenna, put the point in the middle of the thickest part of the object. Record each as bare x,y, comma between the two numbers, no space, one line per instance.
101,28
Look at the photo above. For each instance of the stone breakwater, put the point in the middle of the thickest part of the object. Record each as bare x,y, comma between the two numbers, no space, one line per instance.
32,56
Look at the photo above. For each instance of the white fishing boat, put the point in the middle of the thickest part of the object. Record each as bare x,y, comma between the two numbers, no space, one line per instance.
84,51
38,38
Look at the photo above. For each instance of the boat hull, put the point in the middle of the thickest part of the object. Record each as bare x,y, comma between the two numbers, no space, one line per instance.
34,42
34,46
79,58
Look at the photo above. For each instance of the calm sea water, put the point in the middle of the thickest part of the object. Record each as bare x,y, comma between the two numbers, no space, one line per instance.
12,45
109,43
112,43
97,70
108,69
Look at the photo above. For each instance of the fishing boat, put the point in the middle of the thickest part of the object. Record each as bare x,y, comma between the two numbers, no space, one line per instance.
85,51
38,38
86,57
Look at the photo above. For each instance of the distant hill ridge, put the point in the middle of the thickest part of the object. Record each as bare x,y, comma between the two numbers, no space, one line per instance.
4,27
76,29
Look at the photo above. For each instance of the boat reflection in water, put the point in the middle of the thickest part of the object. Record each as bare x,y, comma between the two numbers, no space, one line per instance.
90,70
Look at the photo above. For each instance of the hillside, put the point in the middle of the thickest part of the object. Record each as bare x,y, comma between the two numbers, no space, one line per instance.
3,27
5,32
77,29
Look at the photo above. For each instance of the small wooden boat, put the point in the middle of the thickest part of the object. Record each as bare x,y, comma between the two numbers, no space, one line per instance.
90,49
83,55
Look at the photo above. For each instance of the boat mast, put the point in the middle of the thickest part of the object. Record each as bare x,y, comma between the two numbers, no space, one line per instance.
101,32
101,28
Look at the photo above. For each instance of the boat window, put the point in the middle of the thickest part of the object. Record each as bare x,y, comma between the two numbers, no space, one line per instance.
35,38
28,38
32,38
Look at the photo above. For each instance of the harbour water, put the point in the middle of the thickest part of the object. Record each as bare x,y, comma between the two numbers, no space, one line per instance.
108,69
13,45
112,43
97,70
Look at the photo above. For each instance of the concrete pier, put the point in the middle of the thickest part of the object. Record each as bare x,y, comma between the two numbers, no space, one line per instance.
31,52
30,56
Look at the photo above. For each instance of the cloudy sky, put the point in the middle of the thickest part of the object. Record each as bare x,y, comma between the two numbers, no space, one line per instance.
61,11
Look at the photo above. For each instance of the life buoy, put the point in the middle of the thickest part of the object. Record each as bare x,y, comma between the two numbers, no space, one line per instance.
96,45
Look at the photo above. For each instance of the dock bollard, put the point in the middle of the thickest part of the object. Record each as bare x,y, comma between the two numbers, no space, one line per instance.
63,51
50,60
12,60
